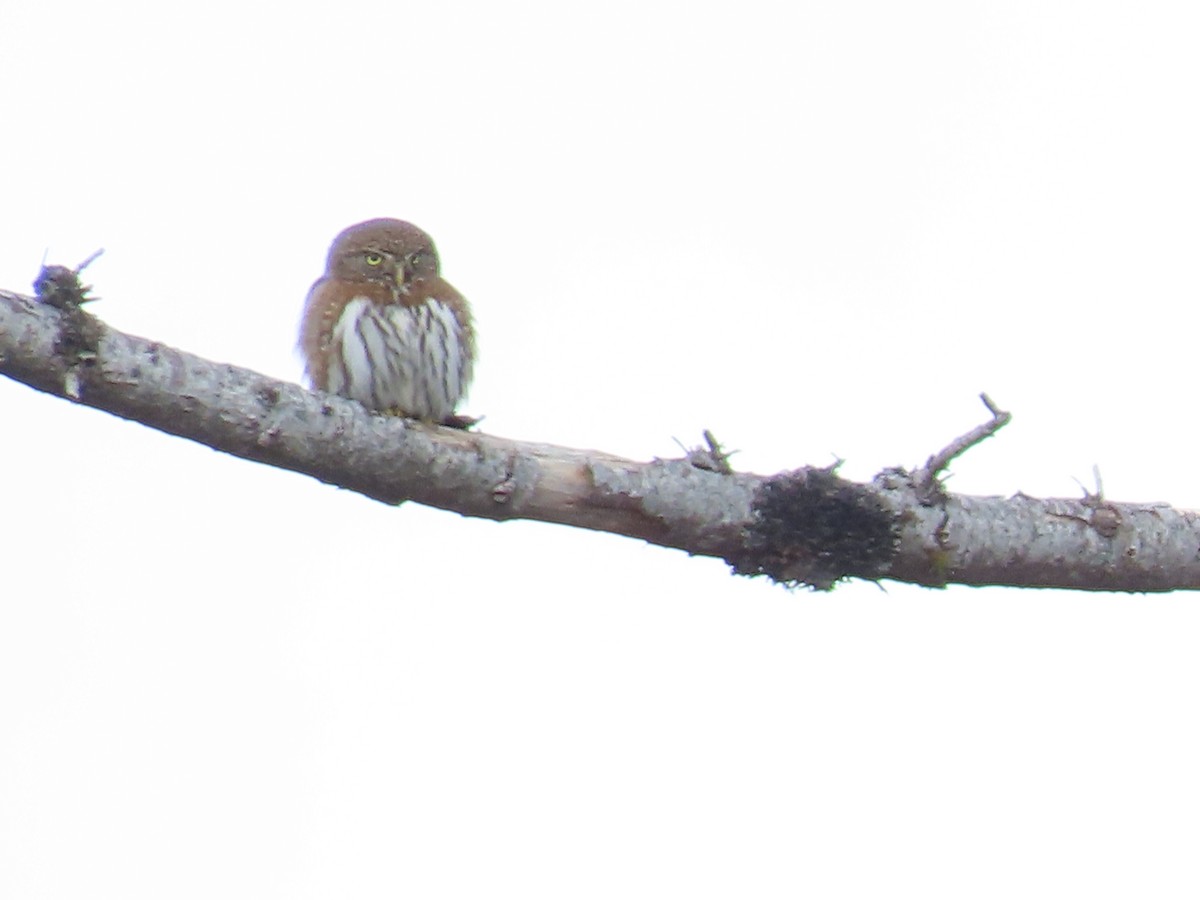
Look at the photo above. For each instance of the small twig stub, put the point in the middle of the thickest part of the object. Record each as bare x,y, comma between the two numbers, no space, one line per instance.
926,478
711,458
61,287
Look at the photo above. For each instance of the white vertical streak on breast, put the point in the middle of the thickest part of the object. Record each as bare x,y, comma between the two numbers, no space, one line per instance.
352,377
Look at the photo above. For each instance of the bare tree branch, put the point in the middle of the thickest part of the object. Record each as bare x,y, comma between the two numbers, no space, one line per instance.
808,526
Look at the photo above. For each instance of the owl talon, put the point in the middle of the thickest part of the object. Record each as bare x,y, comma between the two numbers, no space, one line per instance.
463,423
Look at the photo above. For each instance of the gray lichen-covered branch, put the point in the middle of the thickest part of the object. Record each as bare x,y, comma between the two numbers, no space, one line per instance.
804,527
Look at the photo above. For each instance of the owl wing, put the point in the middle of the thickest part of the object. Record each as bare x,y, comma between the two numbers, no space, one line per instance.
327,300
322,309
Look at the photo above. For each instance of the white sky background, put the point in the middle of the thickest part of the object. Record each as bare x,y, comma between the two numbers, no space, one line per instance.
818,229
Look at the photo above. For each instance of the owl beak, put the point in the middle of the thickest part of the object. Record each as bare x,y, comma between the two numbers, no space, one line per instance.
402,277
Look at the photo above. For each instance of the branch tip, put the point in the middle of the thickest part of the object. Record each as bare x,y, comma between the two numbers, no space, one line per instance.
992,407
87,262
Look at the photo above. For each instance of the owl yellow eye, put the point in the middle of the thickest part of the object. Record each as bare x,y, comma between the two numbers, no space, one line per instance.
374,259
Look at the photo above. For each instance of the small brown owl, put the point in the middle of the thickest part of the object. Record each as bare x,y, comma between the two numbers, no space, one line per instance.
382,327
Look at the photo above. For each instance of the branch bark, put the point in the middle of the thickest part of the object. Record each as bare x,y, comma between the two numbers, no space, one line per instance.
804,527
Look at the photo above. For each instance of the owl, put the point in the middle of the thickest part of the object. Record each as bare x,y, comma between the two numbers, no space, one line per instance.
383,327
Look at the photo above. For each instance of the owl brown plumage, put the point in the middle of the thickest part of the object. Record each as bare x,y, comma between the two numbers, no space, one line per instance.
383,327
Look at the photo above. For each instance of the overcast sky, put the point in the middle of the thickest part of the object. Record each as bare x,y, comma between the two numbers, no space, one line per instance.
820,230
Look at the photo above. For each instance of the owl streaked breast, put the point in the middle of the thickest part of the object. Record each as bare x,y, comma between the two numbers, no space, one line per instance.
394,357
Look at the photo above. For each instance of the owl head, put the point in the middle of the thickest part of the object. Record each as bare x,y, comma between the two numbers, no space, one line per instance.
386,250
